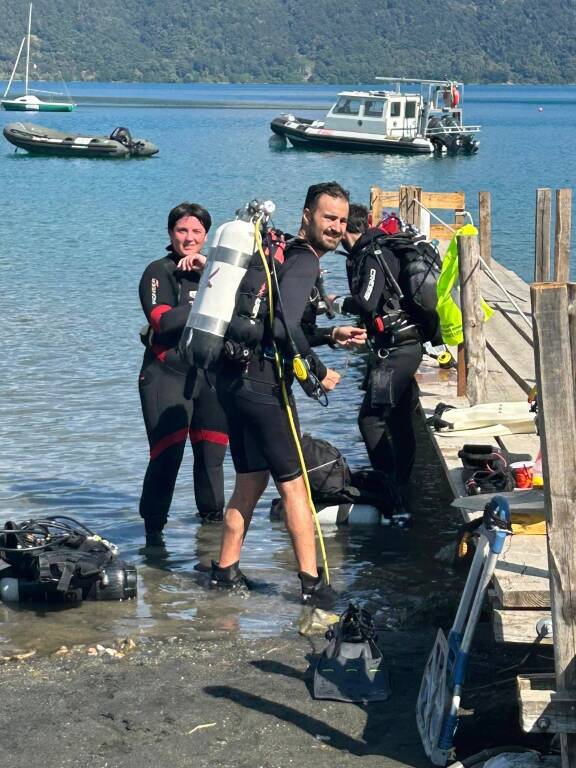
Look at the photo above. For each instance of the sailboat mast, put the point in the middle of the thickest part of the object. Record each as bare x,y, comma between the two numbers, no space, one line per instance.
15,67
28,49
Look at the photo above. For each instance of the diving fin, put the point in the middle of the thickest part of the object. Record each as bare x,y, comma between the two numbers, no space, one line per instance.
351,668
529,501
486,419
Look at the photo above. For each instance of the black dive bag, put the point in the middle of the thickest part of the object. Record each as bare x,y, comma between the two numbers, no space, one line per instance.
59,560
333,482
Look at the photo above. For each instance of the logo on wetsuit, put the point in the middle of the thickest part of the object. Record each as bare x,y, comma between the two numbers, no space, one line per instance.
370,288
154,286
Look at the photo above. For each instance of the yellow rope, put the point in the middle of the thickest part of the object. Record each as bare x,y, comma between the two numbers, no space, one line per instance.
286,399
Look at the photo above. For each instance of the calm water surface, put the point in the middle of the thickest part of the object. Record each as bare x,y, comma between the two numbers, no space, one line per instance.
77,234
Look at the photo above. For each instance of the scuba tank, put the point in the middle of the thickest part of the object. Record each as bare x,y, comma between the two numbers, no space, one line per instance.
230,254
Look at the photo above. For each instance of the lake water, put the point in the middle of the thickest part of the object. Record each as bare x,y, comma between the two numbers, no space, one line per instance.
77,234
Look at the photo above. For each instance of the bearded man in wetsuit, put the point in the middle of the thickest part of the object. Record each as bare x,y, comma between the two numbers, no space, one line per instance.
178,402
261,441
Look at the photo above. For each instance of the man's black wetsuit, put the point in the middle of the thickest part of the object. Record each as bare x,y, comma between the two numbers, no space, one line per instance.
260,436
317,335
385,418
177,401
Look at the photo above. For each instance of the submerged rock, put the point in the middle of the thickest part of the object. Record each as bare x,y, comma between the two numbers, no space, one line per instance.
315,621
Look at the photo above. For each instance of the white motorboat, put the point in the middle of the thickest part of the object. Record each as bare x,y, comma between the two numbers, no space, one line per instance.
423,122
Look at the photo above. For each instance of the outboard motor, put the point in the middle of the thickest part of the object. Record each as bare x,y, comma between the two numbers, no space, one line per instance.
230,255
122,135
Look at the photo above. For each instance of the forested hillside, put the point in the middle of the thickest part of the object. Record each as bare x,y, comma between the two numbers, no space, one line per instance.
294,41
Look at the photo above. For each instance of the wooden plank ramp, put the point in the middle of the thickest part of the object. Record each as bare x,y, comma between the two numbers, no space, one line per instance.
520,581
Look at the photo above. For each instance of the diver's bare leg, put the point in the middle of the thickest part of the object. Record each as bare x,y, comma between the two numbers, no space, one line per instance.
247,491
299,523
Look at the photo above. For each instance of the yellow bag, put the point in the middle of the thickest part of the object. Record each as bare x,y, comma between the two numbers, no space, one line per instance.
448,292
529,525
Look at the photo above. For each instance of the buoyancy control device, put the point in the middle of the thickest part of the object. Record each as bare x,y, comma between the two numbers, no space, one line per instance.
58,559
414,292
229,256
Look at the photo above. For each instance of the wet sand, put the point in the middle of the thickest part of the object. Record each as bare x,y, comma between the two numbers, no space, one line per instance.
237,703
228,704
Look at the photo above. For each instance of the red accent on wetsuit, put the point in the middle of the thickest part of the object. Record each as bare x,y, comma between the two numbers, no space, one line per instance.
156,315
198,435
159,352
168,442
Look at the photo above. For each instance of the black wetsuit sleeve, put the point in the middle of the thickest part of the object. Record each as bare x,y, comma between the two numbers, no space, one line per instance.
371,286
350,306
320,335
296,278
317,366
159,299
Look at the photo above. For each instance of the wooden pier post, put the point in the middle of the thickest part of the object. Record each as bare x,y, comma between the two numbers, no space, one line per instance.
542,235
409,209
485,217
562,235
557,422
472,320
571,287
461,371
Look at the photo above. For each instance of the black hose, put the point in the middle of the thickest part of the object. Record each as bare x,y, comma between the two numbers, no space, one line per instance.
41,528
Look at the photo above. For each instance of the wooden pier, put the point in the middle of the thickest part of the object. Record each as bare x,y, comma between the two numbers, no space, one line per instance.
498,363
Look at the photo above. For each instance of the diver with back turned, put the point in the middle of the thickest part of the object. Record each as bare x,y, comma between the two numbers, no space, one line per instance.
178,402
395,342
261,440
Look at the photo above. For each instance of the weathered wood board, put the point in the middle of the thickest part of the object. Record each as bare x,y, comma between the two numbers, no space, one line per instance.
521,577
542,708
514,626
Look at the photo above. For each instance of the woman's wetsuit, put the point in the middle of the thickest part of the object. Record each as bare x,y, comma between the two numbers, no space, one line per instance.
260,434
177,401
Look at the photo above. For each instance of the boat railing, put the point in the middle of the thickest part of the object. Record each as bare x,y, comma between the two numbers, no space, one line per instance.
410,132
444,129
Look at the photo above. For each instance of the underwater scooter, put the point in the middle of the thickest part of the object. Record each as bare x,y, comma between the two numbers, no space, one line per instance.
443,679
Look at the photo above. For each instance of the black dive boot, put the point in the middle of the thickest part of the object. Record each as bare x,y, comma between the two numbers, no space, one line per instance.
230,577
153,527
316,592
212,516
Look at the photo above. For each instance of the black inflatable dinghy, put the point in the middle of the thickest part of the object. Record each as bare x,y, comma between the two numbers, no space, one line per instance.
47,141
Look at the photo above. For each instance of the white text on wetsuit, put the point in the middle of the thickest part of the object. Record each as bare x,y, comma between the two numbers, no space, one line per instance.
370,287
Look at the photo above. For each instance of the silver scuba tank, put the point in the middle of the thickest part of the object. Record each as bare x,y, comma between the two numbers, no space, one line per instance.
229,256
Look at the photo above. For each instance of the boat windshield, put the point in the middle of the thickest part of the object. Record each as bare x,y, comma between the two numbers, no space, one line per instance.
374,108
347,105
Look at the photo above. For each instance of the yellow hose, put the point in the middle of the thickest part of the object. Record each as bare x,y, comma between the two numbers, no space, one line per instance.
286,399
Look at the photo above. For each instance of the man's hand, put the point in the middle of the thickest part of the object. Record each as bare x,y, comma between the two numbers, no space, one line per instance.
330,380
193,263
349,336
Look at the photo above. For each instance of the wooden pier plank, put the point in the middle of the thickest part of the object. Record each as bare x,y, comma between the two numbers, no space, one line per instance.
521,577
513,626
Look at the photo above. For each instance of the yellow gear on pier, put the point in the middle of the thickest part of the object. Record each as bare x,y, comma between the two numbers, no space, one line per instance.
447,290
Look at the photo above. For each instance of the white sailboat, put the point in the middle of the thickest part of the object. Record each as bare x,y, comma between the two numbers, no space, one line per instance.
29,102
